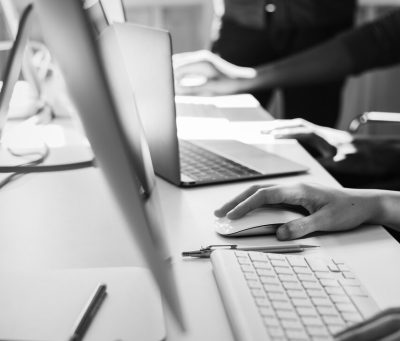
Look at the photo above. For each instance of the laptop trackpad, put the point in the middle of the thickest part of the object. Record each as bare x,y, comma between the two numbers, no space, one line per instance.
251,156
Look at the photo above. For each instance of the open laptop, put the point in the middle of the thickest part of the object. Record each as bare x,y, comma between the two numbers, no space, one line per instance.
145,54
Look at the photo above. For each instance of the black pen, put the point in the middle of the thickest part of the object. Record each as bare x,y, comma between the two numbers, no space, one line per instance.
205,252
88,313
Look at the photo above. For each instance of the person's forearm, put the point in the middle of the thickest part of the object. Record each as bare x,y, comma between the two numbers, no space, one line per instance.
380,207
327,62
389,203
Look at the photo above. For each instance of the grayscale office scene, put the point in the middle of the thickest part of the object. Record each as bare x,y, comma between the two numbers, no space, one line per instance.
190,170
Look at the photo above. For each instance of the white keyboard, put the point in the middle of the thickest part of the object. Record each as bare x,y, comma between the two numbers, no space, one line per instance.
285,297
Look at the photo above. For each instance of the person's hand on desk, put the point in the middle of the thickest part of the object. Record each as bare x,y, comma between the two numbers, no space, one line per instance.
205,73
383,326
330,209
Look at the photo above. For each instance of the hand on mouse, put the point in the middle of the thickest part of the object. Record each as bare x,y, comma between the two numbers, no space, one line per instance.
330,209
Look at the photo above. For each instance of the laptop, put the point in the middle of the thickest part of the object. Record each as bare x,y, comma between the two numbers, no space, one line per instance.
146,56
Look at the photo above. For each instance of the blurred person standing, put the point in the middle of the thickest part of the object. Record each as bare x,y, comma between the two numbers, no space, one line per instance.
256,32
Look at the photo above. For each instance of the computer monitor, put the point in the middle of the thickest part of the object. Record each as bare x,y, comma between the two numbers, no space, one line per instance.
13,66
114,130
29,73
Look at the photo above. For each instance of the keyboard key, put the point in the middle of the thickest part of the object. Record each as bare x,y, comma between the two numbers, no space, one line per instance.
297,294
271,322
312,285
258,293
306,278
258,256
267,312
288,278
286,315
278,305
272,280
317,265
243,260
330,311
312,321
262,265
316,293
278,297
302,302
335,328
276,332
317,331
321,302
291,324
352,317
301,270
263,302
266,273
297,261
247,268
333,320
339,299
307,311
283,270
292,286
329,283
346,307
279,262
254,285
296,335
334,291
251,276
271,288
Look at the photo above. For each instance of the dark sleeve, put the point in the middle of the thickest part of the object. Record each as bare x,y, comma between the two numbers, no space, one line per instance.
374,45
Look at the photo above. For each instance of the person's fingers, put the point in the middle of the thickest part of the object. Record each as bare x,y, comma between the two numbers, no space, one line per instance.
222,211
300,227
386,312
201,68
377,329
266,196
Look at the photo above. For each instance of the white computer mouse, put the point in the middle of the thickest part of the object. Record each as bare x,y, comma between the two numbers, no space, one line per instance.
263,220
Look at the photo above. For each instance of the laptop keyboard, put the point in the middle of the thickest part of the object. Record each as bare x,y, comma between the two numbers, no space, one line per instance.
203,165
296,298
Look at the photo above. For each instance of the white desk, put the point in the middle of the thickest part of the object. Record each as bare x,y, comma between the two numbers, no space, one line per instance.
68,219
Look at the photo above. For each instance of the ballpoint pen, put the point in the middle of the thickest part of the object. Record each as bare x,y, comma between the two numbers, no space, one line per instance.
88,313
205,252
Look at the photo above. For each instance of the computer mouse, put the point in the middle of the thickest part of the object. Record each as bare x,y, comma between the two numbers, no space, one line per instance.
260,221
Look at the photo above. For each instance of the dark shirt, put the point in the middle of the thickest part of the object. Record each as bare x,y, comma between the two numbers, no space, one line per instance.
374,45
291,13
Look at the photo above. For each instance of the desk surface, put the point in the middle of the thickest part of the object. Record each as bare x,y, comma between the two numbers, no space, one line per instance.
69,220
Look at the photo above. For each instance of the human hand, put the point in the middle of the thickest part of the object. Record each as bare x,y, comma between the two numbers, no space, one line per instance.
309,135
383,326
330,209
205,73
